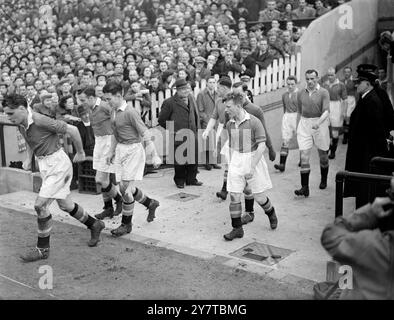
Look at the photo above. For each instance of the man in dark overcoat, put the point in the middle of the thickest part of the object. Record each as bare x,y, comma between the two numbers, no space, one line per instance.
179,115
368,131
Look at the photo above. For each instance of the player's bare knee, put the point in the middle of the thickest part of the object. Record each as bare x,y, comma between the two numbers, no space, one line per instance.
39,207
102,180
123,187
323,156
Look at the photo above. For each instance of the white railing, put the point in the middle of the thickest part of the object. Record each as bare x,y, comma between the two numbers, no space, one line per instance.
268,80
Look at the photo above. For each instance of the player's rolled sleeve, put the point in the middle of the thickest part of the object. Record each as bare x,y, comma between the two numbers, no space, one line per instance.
52,125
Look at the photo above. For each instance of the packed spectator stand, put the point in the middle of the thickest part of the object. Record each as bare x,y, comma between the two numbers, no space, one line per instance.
51,49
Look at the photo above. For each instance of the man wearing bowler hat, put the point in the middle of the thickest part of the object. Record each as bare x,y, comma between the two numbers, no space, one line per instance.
179,115
368,131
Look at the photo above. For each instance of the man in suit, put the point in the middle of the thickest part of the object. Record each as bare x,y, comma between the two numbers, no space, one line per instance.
177,113
367,134
248,64
262,56
206,104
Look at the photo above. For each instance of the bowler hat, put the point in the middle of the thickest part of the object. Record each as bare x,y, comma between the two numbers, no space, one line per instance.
179,83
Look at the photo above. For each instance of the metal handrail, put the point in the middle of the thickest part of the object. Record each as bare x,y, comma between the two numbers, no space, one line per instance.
343,176
377,163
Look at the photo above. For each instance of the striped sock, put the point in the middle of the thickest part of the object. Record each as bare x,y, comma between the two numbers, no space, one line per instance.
127,212
267,207
107,198
249,200
224,187
44,230
141,197
235,213
79,213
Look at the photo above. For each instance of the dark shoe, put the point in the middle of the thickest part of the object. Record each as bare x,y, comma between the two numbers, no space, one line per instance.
107,213
95,231
216,166
121,230
119,206
222,194
235,233
247,217
195,183
304,191
299,164
273,219
152,208
280,167
34,254
331,155
180,186
323,185
208,167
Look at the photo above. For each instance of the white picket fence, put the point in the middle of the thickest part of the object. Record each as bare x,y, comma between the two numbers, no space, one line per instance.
268,80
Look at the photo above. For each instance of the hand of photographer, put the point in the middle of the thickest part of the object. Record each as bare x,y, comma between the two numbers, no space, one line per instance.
377,207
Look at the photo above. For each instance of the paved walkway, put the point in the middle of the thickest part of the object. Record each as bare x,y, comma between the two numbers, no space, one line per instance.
196,227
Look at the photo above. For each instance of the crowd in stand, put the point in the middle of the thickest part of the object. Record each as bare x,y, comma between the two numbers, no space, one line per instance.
51,48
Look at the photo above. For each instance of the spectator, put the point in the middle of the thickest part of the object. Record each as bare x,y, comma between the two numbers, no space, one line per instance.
320,8
180,110
303,11
288,13
262,57
200,72
270,13
247,62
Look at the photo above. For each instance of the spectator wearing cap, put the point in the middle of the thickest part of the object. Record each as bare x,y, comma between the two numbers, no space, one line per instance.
247,62
367,134
263,57
200,72
270,13
179,112
304,11
167,79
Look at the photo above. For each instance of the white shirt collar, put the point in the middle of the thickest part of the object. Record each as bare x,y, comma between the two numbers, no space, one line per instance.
30,119
316,89
123,106
246,117
295,91
364,94
98,101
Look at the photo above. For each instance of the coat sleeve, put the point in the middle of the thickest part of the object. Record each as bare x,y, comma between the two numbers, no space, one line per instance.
200,107
165,114
356,240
